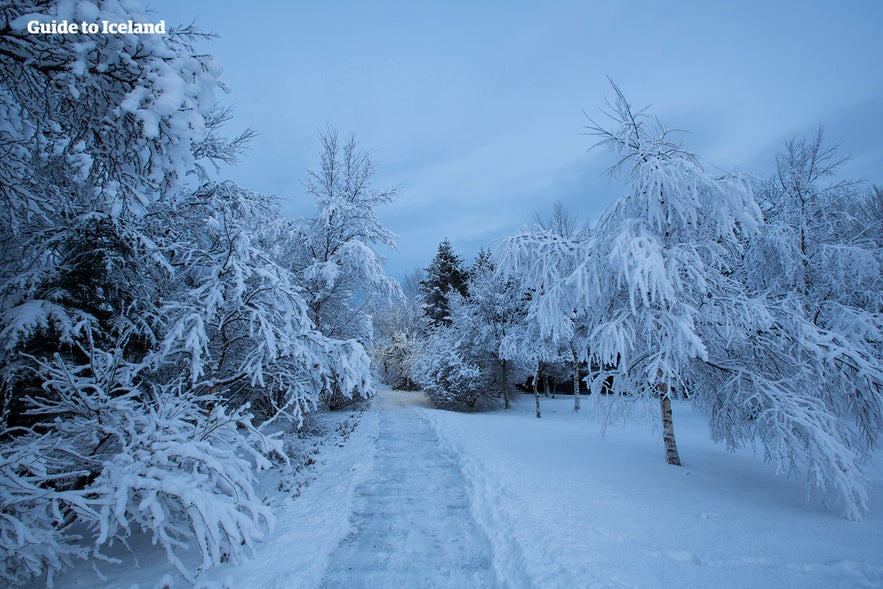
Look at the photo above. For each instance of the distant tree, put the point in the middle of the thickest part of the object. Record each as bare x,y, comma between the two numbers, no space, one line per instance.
397,328
453,363
444,277
559,222
556,322
497,302
447,376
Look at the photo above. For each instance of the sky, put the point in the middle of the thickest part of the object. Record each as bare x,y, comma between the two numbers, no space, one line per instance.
477,111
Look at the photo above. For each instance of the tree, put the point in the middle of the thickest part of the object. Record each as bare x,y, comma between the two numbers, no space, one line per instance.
447,376
803,372
397,328
144,306
696,295
444,277
662,251
238,325
334,258
559,222
94,134
556,323
454,365
497,302
101,437
335,255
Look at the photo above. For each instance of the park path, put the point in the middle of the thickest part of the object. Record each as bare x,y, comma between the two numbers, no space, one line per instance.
411,521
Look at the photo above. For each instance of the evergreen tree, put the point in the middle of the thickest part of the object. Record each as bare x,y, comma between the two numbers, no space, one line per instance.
497,303
445,274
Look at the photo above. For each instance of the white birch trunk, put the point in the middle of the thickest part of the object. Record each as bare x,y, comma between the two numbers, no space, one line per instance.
668,428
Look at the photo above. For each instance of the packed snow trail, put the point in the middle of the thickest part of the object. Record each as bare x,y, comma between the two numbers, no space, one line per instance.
411,518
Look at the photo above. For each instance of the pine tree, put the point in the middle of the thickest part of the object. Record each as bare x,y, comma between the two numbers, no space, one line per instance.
497,303
444,275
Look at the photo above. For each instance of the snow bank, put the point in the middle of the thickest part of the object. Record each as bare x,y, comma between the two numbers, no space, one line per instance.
565,506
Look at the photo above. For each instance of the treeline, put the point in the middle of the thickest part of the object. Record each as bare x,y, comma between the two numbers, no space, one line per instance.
759,300
158,327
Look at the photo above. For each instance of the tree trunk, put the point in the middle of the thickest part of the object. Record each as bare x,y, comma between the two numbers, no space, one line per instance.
506,383
668,429
536,394
576,388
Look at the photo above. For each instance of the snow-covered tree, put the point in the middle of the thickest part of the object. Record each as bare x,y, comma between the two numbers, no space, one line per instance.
398,326
803,374
240,327
771,329
444,278
104,440
497,303
447,376
336,258
453,364
94,133
472,334
658,255
556,323
143,305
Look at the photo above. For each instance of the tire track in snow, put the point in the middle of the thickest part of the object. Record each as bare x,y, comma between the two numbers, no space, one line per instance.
411,524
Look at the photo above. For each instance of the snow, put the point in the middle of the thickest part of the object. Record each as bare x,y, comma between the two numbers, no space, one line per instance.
420,497
311,525
311,520
412,525
570,507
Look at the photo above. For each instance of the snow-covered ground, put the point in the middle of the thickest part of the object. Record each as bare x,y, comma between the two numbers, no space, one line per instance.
572,508
418,497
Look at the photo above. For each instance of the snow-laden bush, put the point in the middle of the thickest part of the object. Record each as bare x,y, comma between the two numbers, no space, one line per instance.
449,379
120,457
455,365
393,357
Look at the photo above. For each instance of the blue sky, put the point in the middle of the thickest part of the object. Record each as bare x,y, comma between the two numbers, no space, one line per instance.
475,109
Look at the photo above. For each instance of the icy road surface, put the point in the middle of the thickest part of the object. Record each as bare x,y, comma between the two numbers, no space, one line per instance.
411,518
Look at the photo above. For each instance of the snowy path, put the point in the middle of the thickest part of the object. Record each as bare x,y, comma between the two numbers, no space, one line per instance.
411,519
